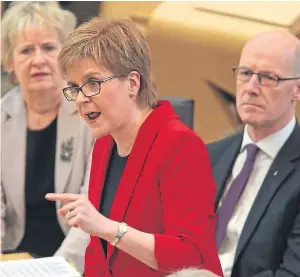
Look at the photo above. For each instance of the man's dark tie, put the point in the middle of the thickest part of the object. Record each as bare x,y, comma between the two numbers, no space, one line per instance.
234,193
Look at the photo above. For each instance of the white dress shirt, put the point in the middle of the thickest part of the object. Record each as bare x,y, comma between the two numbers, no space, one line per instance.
268,150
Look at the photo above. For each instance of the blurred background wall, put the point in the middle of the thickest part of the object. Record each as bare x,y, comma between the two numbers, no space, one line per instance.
194,45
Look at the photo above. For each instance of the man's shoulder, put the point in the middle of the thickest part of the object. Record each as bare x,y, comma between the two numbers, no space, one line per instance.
223,143
217,148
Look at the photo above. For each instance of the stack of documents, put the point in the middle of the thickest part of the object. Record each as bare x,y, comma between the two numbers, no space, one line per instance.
42,267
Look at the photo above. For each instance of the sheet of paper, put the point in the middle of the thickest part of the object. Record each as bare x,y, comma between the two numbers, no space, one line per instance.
42,267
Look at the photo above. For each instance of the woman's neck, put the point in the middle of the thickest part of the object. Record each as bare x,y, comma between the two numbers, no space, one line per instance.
42,109
126,137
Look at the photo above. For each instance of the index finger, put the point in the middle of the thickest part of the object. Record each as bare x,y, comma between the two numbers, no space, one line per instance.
64,197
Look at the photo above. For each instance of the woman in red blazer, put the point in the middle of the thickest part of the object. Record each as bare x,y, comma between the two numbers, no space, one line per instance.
150,209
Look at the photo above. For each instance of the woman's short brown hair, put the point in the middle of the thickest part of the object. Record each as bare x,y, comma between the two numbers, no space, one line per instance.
118,45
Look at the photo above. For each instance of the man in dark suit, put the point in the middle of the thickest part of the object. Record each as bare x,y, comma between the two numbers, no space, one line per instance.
258,171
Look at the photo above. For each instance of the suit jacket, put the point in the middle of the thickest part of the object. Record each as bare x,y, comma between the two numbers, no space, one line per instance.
269,244
166,189
69,175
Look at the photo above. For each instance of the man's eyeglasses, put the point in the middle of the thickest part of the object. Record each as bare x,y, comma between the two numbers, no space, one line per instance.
89,89
264,79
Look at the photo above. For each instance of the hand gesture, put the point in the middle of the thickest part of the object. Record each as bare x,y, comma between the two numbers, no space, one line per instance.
80,212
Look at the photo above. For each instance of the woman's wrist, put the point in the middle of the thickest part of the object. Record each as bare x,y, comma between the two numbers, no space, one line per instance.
108,229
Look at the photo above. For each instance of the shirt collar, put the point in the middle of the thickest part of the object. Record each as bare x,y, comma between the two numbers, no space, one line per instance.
272,144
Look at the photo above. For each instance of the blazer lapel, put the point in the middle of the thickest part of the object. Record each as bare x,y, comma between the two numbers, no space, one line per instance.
68,125
223,169
136,161
283,166
14,151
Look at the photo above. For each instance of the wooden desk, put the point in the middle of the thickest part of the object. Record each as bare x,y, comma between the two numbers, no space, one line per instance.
15,256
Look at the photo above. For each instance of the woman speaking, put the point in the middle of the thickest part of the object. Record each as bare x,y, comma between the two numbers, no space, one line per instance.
150,209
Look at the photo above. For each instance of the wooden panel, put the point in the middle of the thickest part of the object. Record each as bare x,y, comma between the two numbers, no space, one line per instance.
195,44
16,256
139,12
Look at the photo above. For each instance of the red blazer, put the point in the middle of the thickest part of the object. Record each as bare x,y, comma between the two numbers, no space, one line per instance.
166,189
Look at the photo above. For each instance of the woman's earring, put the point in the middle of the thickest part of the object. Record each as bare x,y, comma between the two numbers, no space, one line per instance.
131,94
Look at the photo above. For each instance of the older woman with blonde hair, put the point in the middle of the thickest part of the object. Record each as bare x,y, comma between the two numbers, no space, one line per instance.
150,208
45,144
